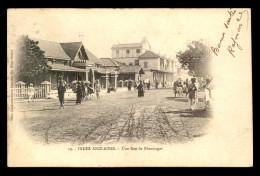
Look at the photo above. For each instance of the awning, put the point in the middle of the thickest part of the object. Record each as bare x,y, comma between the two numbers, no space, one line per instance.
62,67
162,71
131,69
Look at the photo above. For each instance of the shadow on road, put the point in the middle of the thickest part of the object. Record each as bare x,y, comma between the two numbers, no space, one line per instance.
196,113
181,99
40,110
189,113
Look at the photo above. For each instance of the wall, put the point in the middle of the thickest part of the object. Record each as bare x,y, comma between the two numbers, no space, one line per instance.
147,75
122,52
153,63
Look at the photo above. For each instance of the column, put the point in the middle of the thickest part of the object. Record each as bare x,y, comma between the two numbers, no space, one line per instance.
107,81
47,87
116,80
87,75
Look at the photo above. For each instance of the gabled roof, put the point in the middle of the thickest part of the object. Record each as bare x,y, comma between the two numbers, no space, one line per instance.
52,49
66,51
149,54
109,62
71,49
92,57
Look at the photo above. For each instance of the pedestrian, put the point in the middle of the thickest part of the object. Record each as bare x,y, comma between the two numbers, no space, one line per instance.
207,97
185,88
140,88
129,85
61,90
165,84
83,88
97,88
135,85
192,94
90,91
79,93
175,87
148,85
179,88
31,92
156,84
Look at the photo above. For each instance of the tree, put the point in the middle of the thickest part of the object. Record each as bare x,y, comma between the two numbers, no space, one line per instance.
30,60
197,59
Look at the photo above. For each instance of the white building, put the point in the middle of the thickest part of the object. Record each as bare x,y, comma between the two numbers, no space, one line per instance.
129,53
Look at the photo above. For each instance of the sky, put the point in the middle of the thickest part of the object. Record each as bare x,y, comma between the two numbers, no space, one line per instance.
167,30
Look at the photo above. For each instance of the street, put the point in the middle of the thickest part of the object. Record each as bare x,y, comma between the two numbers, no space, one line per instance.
119,117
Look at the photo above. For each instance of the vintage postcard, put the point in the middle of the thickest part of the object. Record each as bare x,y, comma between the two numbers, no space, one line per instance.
129,87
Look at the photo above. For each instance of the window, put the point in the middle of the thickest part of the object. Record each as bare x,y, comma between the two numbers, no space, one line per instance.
145,64
130,63
161,64
127,51
167,64
137,50
117,51
137,62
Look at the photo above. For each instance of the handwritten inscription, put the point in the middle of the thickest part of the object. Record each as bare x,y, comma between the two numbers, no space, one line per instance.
232,41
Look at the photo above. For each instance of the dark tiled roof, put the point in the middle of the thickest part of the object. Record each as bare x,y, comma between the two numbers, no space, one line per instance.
149,54
62,67
131,69
71,49
104,70
109,62
119,63
52,49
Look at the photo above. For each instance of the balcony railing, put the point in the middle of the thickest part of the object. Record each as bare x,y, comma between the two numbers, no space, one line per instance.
81,63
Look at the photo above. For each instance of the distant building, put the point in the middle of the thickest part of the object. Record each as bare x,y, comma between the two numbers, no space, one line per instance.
124,72
129,53
158,68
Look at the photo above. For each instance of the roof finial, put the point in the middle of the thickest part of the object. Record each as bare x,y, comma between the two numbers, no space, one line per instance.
144,39
81,36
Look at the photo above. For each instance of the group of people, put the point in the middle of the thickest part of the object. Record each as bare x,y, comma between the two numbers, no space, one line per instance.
86,90
83,90
190,91
145,85
180,87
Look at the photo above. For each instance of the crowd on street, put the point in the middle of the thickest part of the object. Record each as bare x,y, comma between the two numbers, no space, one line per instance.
85,90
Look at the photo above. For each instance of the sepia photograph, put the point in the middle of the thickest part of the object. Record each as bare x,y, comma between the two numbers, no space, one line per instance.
129,87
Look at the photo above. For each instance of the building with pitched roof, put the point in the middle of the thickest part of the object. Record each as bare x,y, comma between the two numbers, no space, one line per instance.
156,68
74,62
